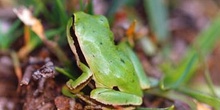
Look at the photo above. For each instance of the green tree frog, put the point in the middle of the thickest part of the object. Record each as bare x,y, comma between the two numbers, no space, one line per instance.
115,69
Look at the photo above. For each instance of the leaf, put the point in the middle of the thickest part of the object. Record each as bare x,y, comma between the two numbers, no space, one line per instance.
180,75
65,72
208,38
157,12
35,41
167,108
205,98
90,7
8,38
148,46
115,5
204,44
173,95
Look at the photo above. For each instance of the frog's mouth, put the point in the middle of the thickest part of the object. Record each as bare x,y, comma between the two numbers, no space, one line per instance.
76,43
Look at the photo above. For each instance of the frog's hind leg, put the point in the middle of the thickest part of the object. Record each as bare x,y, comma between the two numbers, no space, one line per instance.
115,98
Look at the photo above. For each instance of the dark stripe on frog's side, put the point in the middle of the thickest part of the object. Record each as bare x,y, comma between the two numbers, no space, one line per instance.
76,43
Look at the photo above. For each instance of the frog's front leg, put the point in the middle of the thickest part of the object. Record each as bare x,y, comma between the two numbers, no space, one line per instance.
115,98
76,85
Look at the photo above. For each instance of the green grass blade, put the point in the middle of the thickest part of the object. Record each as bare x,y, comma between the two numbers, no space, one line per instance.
180,75
61,11
167,108
114,6
8,38
212,101
173,95
64,72
208,38
90,7
157,12
205,43
35,40
82,5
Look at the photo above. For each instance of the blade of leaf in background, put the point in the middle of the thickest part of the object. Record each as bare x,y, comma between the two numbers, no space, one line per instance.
148,46
65,72
158,17
8,38
174,96
82,5
90,7
61,14
179,75
35,41
212,101
54,12
208,38
86,7
203,87
115,5
167,108
39,7
204,43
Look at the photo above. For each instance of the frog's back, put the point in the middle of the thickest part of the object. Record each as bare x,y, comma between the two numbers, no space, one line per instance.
110,67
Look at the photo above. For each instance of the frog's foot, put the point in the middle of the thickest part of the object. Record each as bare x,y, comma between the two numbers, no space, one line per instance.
115,98
76,85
